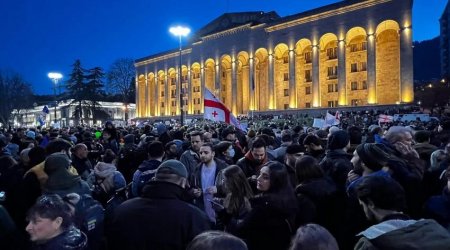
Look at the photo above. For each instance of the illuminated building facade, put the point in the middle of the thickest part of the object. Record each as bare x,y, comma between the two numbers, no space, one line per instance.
351,53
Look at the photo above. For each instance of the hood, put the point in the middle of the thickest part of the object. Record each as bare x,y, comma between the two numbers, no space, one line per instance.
149,165
104,170
129,139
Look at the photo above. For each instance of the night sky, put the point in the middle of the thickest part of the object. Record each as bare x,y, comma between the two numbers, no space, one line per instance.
39,36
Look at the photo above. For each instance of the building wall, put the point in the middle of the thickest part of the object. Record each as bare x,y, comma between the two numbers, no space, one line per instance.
305,60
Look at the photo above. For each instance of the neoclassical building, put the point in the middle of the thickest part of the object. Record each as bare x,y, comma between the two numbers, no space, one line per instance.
351,53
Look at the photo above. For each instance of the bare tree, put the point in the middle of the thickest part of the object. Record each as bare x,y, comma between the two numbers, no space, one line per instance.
15,93
120,78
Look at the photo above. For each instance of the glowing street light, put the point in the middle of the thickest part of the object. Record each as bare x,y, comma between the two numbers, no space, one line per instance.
180,31
55,77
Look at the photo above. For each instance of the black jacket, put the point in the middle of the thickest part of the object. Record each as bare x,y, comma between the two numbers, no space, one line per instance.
71,239
158,220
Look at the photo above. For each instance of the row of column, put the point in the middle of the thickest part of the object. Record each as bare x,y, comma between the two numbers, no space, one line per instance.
406,88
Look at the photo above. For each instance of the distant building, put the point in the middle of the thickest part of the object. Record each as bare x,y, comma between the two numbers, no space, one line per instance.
351,53
113,111
445,44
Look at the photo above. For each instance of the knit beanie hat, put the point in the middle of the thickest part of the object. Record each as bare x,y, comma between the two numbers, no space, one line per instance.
373,155
338,140
59,177
31,134
173,166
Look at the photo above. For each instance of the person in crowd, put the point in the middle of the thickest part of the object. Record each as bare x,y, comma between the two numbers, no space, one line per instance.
437,207
313,237
317,195
383,201
423,146
254,159
106,177
127,162
293,153
11,147
313,147
229,134
216,240
171,151
375,133
205,180
50,225
190,158
270,223
160,218
146,171
109,142
225,152
355,136
336,163
236,203
80,161
280,152
407,168
60,180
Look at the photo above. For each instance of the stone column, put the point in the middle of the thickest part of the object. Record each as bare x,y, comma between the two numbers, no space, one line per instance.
202,88
233,88
292,89
136,85
166,95
190,105
217,81
371,70
406,65
156,102
272,100
342,76
147,97
251,82
315,76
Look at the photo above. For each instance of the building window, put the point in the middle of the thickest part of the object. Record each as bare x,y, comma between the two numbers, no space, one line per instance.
174,103
354,102
363,66
224,75
307,90
286,106
308,57
198,100
308,105
308,76
354,67
172,81
162,93
161,82
286,59
330,104
286,92
354,85
332,53
332,72
335,87
330,88
364,46
364,84
286,76
353,47
162,105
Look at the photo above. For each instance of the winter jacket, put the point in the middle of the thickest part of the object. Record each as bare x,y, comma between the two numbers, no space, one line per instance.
405,235
190,159
147,167
336,165
71,239
438,208
249,165
158,220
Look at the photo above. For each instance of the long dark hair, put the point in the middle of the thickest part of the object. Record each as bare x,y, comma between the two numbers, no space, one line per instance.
280,191
239,191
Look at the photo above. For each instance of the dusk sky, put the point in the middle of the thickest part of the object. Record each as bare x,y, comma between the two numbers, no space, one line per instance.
39,36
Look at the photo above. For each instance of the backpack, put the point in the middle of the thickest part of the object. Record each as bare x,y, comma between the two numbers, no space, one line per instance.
99,193
89,218
143,178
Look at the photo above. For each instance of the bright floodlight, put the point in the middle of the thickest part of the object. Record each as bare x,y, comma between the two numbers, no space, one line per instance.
180,31
54,75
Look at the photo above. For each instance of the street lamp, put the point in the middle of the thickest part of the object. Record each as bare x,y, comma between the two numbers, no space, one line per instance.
55,76
180,31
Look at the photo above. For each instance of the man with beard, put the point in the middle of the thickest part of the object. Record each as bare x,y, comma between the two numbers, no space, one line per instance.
383,201
80,160
313,147
204,180
253,160
190,157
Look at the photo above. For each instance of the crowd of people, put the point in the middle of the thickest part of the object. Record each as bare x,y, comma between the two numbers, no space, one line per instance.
277,186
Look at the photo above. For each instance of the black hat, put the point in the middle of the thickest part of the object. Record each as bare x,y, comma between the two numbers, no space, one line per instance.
338,140
373,155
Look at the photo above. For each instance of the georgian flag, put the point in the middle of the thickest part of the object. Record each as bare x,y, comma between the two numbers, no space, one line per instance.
42,115
215,110
385,118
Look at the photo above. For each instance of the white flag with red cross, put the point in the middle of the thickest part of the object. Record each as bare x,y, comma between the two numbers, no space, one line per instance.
215,110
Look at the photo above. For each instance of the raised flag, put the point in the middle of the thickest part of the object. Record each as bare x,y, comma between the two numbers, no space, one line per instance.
42,116
215,110
385,118
330,120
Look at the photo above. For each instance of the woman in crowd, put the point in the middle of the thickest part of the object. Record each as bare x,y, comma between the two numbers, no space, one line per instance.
216,240
50,226
270,223
236,203
225,152
313,237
